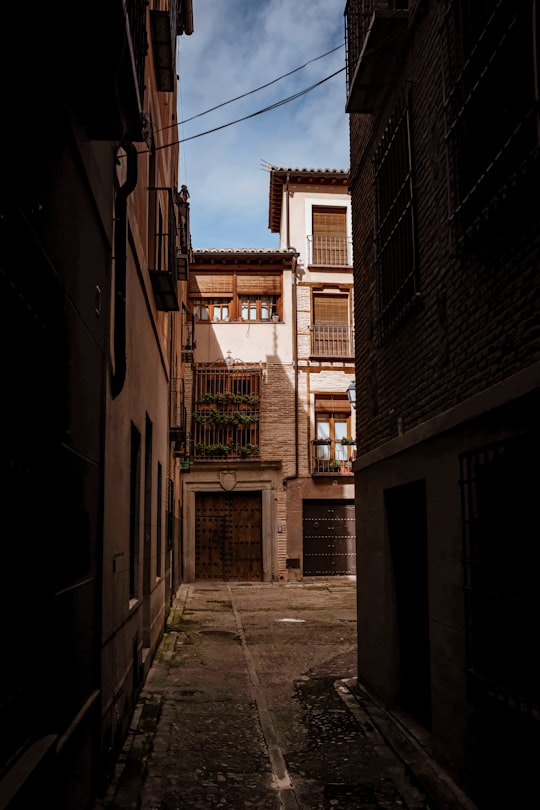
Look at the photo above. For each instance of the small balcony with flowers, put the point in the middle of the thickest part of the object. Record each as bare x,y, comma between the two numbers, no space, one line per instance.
332,456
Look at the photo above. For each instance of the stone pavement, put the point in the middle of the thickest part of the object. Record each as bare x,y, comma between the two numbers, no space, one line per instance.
252,702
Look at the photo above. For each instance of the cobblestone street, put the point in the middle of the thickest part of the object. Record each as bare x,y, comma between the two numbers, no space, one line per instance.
252,702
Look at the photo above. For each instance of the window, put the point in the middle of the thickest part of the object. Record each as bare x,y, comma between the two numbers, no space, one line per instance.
235,296
491,146
211,309
258,308
329,243
395,258
332,335
227,412
333,446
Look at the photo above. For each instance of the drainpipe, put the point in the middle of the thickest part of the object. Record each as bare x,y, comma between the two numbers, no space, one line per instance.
294,475
120,262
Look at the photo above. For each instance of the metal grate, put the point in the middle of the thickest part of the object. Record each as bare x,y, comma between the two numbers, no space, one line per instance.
329,340
490,52
227,412
396,264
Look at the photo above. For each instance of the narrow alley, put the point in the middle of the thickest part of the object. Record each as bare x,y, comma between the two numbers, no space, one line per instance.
252,702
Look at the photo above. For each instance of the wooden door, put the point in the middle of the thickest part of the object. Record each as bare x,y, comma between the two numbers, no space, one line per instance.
228,536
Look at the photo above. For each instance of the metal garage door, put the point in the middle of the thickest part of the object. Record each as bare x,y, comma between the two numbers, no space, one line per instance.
329,538
228,536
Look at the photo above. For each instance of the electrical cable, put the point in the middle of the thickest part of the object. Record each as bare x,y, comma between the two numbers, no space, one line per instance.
251,115
262,86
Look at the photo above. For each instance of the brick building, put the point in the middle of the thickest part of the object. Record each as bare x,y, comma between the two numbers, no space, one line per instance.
443,109
94,244
270,432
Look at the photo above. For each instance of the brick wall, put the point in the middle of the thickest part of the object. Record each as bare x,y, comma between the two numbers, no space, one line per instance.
476,323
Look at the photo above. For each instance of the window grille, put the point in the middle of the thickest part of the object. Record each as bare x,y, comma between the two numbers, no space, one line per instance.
501,555
396,266
491,110
227,412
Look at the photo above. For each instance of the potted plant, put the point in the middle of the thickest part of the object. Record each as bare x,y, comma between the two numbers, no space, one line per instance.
321,441
335,464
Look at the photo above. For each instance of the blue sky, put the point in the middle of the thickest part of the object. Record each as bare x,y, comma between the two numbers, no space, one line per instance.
236,47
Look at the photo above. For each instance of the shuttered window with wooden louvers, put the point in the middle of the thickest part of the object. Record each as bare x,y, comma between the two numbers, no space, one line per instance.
332,335
249,284
329,235
230,296
211,285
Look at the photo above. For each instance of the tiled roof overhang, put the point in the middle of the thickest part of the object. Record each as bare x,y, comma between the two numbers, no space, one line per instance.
243,257
279,176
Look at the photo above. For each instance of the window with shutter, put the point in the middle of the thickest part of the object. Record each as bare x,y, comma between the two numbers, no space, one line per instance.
229,296
329,236
332,335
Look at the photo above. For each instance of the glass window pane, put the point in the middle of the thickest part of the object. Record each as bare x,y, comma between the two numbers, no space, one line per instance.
323,432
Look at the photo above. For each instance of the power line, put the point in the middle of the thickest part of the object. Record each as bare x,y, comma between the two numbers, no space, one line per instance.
253,115
262,86
383,43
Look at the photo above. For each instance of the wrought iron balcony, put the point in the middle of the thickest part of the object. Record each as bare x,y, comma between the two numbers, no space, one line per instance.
332,457
184,239
329,340
373,30
329,251
163,257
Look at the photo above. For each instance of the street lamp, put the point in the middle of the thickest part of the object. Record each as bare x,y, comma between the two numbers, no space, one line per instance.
351,394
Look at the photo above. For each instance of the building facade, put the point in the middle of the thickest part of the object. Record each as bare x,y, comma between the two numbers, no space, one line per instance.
270,437
94,244
444,186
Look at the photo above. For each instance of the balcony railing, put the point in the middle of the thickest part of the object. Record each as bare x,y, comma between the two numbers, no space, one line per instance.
332,457
329,251
178,417
163,265
373,29
328,340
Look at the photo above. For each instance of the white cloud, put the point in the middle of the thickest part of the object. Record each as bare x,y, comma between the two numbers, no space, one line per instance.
237,46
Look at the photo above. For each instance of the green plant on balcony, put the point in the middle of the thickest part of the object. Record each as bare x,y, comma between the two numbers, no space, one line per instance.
212,449
228,398
225,417
321,441
249,450
348,441
335,464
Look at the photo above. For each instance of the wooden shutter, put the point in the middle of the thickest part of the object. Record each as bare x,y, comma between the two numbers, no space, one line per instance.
249,284
330,309
210,285
329,221
332,405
